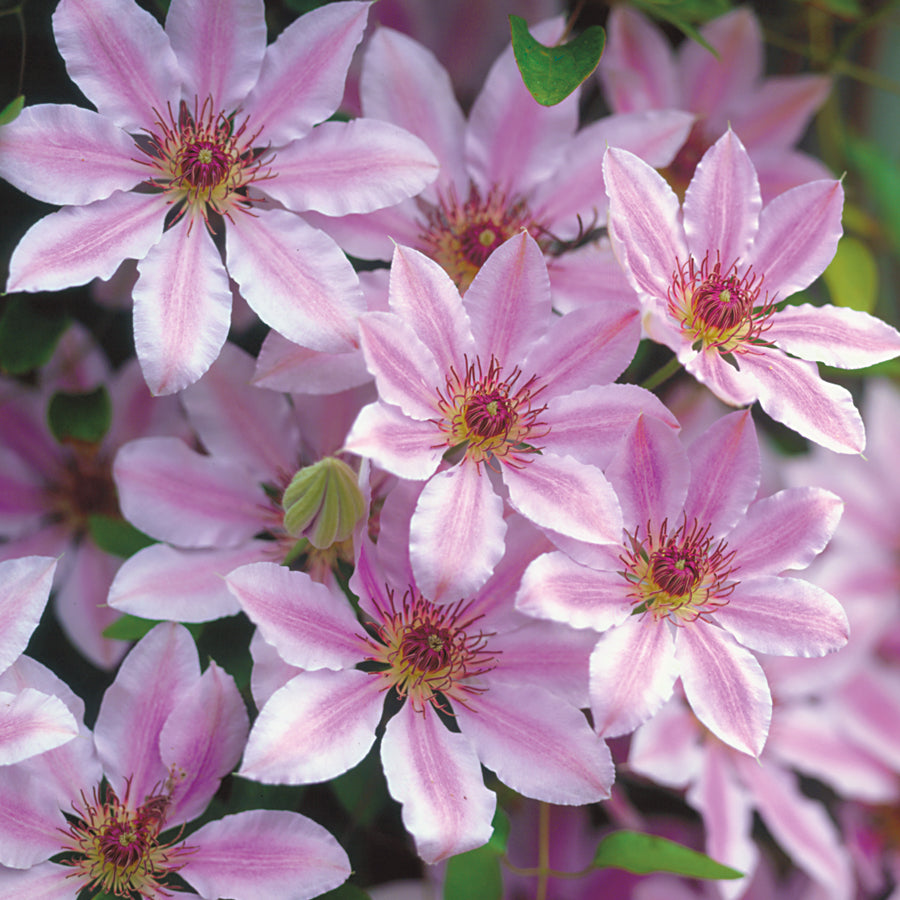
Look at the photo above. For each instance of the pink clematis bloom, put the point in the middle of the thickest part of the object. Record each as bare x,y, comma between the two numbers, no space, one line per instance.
203,133
497,382
639,72
713,278
116,802
695,582
513,686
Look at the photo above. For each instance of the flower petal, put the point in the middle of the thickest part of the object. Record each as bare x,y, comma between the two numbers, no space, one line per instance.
24,588
30,820
32,722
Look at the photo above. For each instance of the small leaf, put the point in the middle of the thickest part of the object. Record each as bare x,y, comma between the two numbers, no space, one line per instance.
133,628
28,336
644,853
12,109
552,73
80,417
852,276
474,876
116,536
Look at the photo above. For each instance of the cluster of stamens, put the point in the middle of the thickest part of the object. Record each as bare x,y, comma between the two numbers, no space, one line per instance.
490,415
681,576
428,652
718,308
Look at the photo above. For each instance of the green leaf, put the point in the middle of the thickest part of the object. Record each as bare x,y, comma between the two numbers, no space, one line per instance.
116,536
12,109
852,276
28,336
552,73
132,628
644,853
474,876
80,417
844,9
346,892
500,837
684,14
881,176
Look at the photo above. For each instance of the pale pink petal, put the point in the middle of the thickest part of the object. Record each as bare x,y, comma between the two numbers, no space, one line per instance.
176,494
295,278
24,588
508,302
310,624
722,203
162,582
781,170
667,748
537,744
568,496
644,222
32,723
45,881
729,384
836,336
30,820
555,587
219,46
791,392
870,713
79,243
798,235
303,72
376,234
456,533
182,308
314,728
404,446
590,275
67,155
809,515
725,685
120,57
270,671
261,854
434,773
351,167
633,673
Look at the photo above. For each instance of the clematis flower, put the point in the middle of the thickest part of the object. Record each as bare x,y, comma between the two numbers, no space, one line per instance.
497,382
202,134
117,802
695,584
513,687
713,279
640,72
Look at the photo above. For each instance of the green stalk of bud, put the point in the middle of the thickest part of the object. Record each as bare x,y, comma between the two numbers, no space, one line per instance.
323,503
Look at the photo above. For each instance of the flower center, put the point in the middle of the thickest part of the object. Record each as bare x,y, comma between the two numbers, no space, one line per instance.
490,415
84,487
424,650
718,308
682,576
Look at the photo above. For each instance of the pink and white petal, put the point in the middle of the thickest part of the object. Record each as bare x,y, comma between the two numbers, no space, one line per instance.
836,336
590,275
725,686
405,370
182,307
404,446
152,680
791,392
302,78
311,624
174,493
785,617
722,203
162,582
566,495
644,222
30,820
44,881
508,302
295,278
270,671
259,854
24,588
67,155
351,167
555,587
729,384
667,748
809,516
32,722
202,741
781,170
319,725
403,82
869,712
726,469
537,743
120,58
79,243
456,533
633,673
220,47
436,776
798,235
376,234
